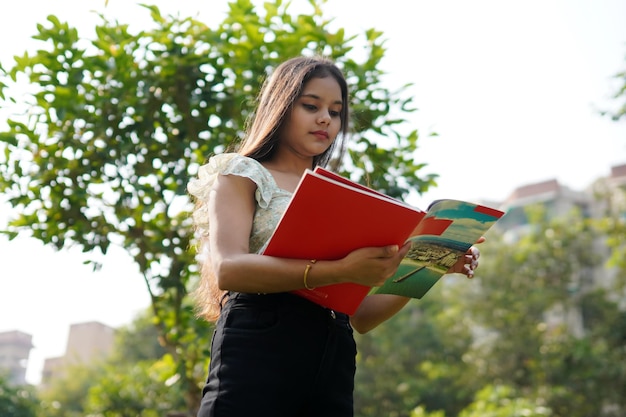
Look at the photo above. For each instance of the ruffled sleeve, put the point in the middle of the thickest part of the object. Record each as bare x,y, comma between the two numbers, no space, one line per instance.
228,164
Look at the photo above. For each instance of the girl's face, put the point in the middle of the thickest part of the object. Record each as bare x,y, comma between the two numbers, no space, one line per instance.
314,120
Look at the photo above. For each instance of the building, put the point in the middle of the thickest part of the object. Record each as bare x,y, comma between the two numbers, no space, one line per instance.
557,199
604,197
86,343
15,348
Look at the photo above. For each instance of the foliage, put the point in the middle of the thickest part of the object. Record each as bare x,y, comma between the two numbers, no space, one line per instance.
114,127
416,359
17,401
142,389
532,334
548,330
137,379
503,401
613,224
66,395
620,96
139,341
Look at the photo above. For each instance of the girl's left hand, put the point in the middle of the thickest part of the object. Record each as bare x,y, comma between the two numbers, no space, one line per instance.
468,263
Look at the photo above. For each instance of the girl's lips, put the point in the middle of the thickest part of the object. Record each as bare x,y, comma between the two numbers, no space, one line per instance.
321,134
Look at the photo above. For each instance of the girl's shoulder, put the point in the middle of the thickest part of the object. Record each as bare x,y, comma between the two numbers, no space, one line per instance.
236,164
231,164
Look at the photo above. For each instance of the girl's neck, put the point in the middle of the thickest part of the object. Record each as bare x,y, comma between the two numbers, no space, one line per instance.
289,165
287,171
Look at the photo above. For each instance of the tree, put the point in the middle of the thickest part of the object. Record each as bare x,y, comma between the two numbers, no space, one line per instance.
117,125
17,401
620,96
612,222
416,359
66,395
504,401
531,334
138,341
137,379
548,331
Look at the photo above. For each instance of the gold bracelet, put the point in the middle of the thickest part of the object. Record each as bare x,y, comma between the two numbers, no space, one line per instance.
306,274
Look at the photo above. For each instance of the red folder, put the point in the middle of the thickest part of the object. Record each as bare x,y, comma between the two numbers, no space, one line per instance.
330,216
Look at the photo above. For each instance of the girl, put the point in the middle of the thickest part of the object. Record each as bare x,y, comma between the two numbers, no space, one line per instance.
274,353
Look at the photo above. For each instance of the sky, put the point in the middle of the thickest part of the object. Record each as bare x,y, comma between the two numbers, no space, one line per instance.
513,90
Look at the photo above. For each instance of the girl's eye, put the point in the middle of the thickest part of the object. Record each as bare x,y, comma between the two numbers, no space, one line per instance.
314,108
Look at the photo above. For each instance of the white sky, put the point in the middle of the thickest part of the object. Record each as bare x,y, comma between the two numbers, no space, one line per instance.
511,87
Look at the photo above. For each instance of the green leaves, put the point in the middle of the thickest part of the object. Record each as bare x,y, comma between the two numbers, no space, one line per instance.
17,400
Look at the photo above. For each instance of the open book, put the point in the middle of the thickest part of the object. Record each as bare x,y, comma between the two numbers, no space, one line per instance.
329,216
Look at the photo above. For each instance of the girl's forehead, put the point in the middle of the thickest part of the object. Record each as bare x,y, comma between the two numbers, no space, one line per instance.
327,88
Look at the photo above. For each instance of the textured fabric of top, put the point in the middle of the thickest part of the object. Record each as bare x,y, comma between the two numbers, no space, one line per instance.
271,201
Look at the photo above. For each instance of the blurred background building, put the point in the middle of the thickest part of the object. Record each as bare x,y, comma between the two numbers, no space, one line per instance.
15,348
86,343
606,196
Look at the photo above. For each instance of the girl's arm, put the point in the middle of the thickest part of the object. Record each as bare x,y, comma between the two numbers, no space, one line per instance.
231,213
376,309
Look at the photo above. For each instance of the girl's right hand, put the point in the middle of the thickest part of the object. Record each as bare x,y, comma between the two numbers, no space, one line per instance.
372,266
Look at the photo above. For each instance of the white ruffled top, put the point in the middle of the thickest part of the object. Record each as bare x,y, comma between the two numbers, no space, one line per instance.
271,201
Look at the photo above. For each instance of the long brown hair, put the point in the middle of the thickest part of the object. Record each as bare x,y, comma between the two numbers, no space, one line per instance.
276,98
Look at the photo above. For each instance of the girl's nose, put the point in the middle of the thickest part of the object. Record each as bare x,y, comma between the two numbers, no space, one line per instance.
324,117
